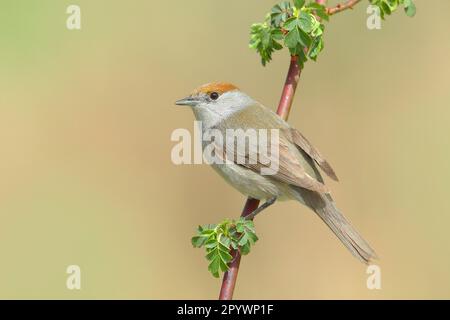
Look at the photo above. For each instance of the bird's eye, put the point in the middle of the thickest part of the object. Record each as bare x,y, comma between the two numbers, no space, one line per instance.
214,95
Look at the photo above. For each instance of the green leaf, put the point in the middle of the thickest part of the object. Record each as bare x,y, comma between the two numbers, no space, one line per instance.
211,242
265,39
279,13
211,255
316,48
204,234
319,10
213,267
252,237
198,241
292,38
318,32
223,266
299,3
385,8
243,241
290,23
225,241
322,14
218,253
307,22
410,8
301,59
305,39
261,39
277,46
207,227
245,249
219,239
392,4
277,34
248,235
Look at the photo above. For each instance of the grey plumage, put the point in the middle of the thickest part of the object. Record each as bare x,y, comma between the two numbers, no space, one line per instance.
297,176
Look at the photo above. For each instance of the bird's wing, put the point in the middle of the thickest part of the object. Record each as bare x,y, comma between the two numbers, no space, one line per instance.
301,142
289,169
286,165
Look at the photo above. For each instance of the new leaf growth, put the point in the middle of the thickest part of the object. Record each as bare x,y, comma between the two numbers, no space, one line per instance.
219,239
299,26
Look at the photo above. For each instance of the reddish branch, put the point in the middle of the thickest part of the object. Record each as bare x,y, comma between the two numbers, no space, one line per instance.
290,85
284,107
230,277
287,96
342,6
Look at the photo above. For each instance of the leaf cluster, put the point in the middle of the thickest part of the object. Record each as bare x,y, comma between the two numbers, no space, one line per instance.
387,7
220,239
298,26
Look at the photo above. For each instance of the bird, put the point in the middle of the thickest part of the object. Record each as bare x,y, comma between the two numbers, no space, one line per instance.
221,107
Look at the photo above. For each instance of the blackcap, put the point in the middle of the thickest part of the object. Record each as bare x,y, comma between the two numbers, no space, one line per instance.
222,107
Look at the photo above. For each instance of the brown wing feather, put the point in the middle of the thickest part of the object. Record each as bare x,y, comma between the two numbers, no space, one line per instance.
290,168
299,140
289,171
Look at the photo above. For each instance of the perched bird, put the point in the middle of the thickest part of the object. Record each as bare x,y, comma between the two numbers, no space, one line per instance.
221,107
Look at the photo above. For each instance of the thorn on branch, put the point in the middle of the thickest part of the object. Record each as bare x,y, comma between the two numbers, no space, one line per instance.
342,6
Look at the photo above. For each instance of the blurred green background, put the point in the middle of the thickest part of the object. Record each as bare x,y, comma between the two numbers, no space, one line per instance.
85,170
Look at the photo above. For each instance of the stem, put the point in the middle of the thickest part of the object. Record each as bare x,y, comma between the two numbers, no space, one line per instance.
342,6
230,277
290,86
287,96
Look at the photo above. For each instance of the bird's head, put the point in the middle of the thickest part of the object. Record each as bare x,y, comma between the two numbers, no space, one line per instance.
213,102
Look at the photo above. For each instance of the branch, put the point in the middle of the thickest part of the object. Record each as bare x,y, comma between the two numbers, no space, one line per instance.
342,6
230,277
284,106
259,33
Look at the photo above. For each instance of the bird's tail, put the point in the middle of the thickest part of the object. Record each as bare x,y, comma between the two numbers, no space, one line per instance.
325,208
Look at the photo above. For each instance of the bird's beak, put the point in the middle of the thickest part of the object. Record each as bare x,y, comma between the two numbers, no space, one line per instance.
188,101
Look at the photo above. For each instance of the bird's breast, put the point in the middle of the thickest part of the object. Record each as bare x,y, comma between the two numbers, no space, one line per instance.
250,183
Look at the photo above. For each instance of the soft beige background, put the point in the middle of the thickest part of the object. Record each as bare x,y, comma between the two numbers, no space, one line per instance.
85,170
